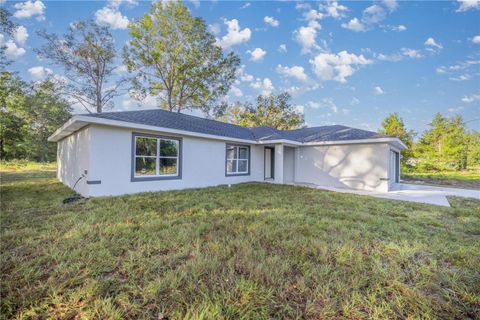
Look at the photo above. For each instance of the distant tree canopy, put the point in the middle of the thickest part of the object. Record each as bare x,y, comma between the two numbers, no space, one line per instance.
29,114
175,59
445,145
393,125
87,55
274,110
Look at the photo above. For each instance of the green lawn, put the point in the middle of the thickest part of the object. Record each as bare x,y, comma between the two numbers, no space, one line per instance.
252,251
25,165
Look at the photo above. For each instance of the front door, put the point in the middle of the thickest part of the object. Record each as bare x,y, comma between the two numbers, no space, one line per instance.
269,160
394,166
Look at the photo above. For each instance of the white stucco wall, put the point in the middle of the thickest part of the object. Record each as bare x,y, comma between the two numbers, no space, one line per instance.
288,164
203,164
359,166
73,157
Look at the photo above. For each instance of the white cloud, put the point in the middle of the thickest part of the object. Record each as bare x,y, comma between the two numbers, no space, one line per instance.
306,36
300,109
431,43
354,25
246,5
29,9
296,72
333,9
282,48
463,77
236,91
374,14
39,73
271,21
234,35
325,103
110,16
391,5
338,67
265,86
302,6
399,28
466,5
12,50
214,28
471,98
476,39
257,54
245,77
129,103
404,53
118,3
378,91
20,35
411,53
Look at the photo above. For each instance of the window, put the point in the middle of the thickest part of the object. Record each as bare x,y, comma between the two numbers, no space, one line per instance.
155,158
237,160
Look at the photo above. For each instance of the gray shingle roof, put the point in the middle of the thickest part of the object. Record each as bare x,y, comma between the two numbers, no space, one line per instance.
180,121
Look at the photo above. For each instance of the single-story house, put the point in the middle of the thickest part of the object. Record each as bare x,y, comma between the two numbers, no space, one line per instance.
116,153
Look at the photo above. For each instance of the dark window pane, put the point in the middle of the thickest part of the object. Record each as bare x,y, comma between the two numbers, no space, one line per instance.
168,148
145,166
242,165
168,166
146,146
231,152
242,153
231,166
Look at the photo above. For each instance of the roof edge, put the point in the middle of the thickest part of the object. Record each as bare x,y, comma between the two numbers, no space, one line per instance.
79,121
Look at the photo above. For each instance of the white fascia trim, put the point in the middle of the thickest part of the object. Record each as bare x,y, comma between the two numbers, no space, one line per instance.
359,141
280,141
123,124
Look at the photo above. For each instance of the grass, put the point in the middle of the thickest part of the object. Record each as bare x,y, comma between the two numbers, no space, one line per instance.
25,165
467,178
252,251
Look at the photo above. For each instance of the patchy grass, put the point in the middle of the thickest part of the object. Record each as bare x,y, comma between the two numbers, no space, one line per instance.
252,251
25,165
463,179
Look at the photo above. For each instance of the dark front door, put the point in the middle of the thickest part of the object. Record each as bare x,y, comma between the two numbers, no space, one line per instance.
269,163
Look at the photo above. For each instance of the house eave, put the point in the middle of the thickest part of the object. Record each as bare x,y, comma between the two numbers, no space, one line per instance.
78,122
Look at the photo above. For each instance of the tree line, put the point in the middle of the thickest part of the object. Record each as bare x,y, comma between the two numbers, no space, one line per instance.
445,145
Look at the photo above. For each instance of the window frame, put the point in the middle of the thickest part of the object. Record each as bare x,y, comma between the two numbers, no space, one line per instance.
157,176
237,146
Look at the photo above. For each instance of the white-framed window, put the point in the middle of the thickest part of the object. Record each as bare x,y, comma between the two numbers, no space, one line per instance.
237,160
155,157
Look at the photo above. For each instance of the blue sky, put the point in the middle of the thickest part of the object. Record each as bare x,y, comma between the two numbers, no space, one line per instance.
344,62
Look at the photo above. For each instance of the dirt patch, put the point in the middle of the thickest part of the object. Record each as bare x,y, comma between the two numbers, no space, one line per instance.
465,184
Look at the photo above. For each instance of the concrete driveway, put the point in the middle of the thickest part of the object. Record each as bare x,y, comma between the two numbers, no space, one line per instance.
415,193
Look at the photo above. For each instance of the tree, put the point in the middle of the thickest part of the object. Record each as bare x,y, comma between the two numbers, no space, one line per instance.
7,27
394,126
274,110
12,124
177,60
444,145
27,117
88,57
44,112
